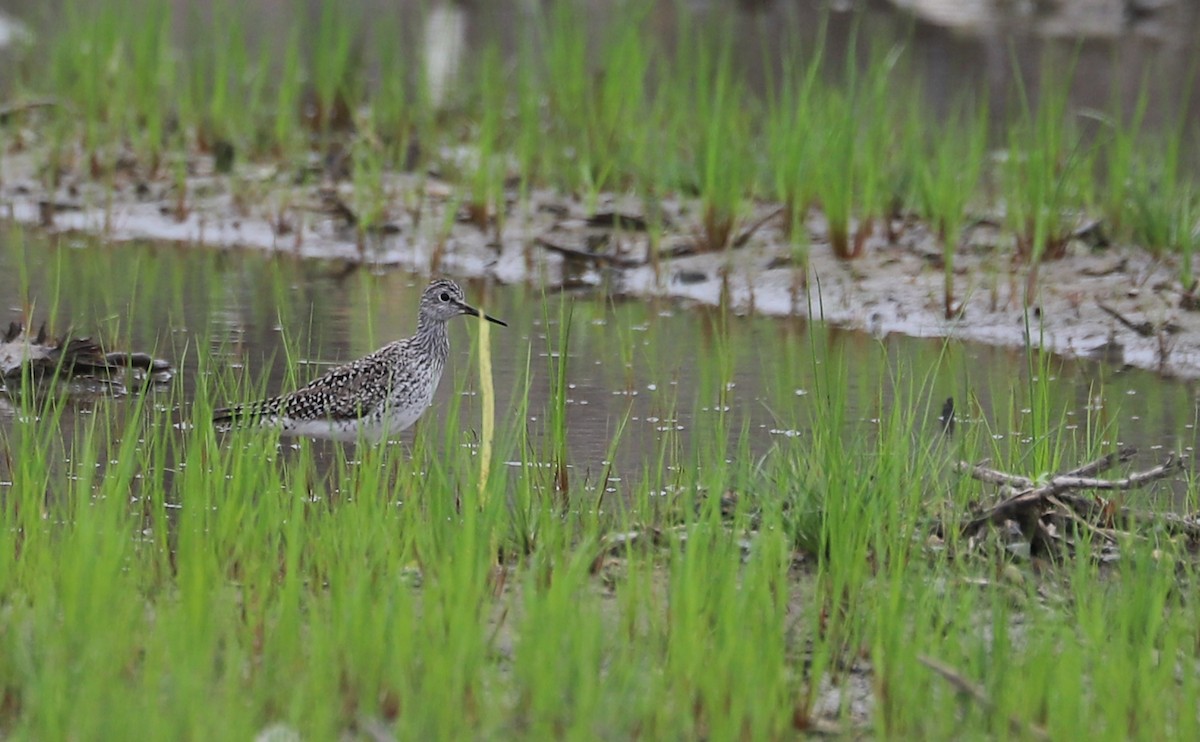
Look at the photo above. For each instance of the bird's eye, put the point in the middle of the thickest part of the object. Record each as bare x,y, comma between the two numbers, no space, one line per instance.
445,296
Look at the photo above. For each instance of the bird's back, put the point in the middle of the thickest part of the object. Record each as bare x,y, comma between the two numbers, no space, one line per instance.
388,389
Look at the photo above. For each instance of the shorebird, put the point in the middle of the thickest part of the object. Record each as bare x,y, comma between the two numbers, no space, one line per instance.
374,397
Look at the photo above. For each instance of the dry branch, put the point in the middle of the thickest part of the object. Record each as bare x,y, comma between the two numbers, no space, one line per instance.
977,693
1033,499
995,476
1104,463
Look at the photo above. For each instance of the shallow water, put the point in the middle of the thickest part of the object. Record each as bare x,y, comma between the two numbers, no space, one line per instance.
684,376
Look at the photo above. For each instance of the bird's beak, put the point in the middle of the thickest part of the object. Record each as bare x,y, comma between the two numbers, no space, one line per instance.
476,313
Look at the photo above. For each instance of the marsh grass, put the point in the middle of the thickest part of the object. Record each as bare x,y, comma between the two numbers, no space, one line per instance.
1044,170
558,359
160,581
716,132
1159,199
946,180
168,581
792,129
591,109
228,82
1188,230
1121,135
596,86
532,160
486,205
371,199
335,69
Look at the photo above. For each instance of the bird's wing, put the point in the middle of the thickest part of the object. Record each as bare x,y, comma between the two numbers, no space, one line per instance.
345,392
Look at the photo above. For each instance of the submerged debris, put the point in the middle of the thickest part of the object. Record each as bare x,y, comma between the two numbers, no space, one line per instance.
41,355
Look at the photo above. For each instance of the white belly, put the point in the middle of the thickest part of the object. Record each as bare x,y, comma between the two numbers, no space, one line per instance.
370,429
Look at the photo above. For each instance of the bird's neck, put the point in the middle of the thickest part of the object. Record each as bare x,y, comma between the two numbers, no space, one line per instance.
432,338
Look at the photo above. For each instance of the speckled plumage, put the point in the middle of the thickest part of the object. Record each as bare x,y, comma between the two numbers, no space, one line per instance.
376,396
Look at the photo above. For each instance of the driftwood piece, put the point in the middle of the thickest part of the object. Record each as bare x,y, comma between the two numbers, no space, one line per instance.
1031,500
42,355
1014,481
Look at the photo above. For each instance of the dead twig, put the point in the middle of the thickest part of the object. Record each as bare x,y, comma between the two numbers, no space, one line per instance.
1070,513
7,112
749,231
979,695
1145,329
567,251
1133,481
1033,496
622,221
994,476
1104,463
1089,507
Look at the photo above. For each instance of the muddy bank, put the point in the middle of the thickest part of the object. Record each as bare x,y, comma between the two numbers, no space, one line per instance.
1109,301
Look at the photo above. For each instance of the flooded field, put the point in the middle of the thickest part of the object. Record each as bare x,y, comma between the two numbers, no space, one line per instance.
709,481
660,372
750,467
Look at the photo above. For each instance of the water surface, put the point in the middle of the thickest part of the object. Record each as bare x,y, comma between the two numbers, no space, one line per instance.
668,375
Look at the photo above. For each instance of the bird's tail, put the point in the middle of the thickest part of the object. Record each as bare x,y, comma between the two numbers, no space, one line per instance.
246,413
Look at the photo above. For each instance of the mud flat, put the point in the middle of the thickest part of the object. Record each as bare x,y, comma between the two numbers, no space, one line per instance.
1114,302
